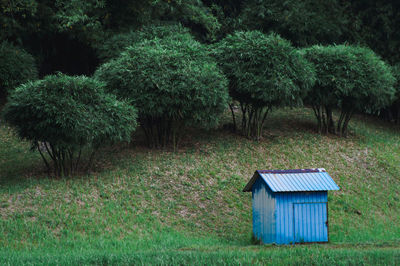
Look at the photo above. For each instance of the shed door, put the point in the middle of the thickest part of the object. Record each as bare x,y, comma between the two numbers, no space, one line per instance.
310,222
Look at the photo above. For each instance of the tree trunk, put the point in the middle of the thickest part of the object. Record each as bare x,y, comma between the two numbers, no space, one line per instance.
233,117
44,159
330,122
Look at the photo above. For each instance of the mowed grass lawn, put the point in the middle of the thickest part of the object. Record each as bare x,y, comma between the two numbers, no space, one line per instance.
141,206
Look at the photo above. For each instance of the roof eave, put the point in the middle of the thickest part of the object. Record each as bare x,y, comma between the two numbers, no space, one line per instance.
249,186
303,191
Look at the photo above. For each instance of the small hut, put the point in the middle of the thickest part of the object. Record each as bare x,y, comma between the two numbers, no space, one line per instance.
290,206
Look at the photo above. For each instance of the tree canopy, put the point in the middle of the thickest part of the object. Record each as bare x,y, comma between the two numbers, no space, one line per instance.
64,114
303,22
72,31
173,83
351,78
264,71
117,43
16,67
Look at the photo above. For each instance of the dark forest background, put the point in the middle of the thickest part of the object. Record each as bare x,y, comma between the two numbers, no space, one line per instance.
68,35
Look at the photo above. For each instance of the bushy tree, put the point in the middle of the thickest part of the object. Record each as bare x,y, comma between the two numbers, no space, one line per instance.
16,67
350,78
263,71
60,115
172,81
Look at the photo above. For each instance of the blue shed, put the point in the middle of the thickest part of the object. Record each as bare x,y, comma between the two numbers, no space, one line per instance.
290,206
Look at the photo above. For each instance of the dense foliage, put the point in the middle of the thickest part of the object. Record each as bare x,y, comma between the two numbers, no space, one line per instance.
172,81
71,31
16,67
263,71
375,24
350,78
303,22
74,37
64,34
117,43
60,115
392,113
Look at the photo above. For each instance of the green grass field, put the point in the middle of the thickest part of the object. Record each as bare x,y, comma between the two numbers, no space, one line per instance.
142,206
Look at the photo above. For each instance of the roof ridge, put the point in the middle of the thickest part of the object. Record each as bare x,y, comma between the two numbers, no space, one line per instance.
292,171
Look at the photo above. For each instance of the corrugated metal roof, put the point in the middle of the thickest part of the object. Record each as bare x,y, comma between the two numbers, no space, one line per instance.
294,180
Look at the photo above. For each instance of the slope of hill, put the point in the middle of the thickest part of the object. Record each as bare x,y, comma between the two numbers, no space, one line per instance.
142,205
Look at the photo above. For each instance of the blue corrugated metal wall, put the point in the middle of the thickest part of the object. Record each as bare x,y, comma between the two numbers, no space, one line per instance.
310,220
264,224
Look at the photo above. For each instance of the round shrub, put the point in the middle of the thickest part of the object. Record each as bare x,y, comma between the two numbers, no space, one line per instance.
61,114
263,71
16,67
173,83
350,78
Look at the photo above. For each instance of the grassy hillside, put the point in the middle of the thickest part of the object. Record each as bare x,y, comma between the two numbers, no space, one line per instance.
142,205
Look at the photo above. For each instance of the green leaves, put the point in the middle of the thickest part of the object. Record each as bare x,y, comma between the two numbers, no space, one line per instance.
16,67
351,78
117,43
304,22
171,80
264,71
68,113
